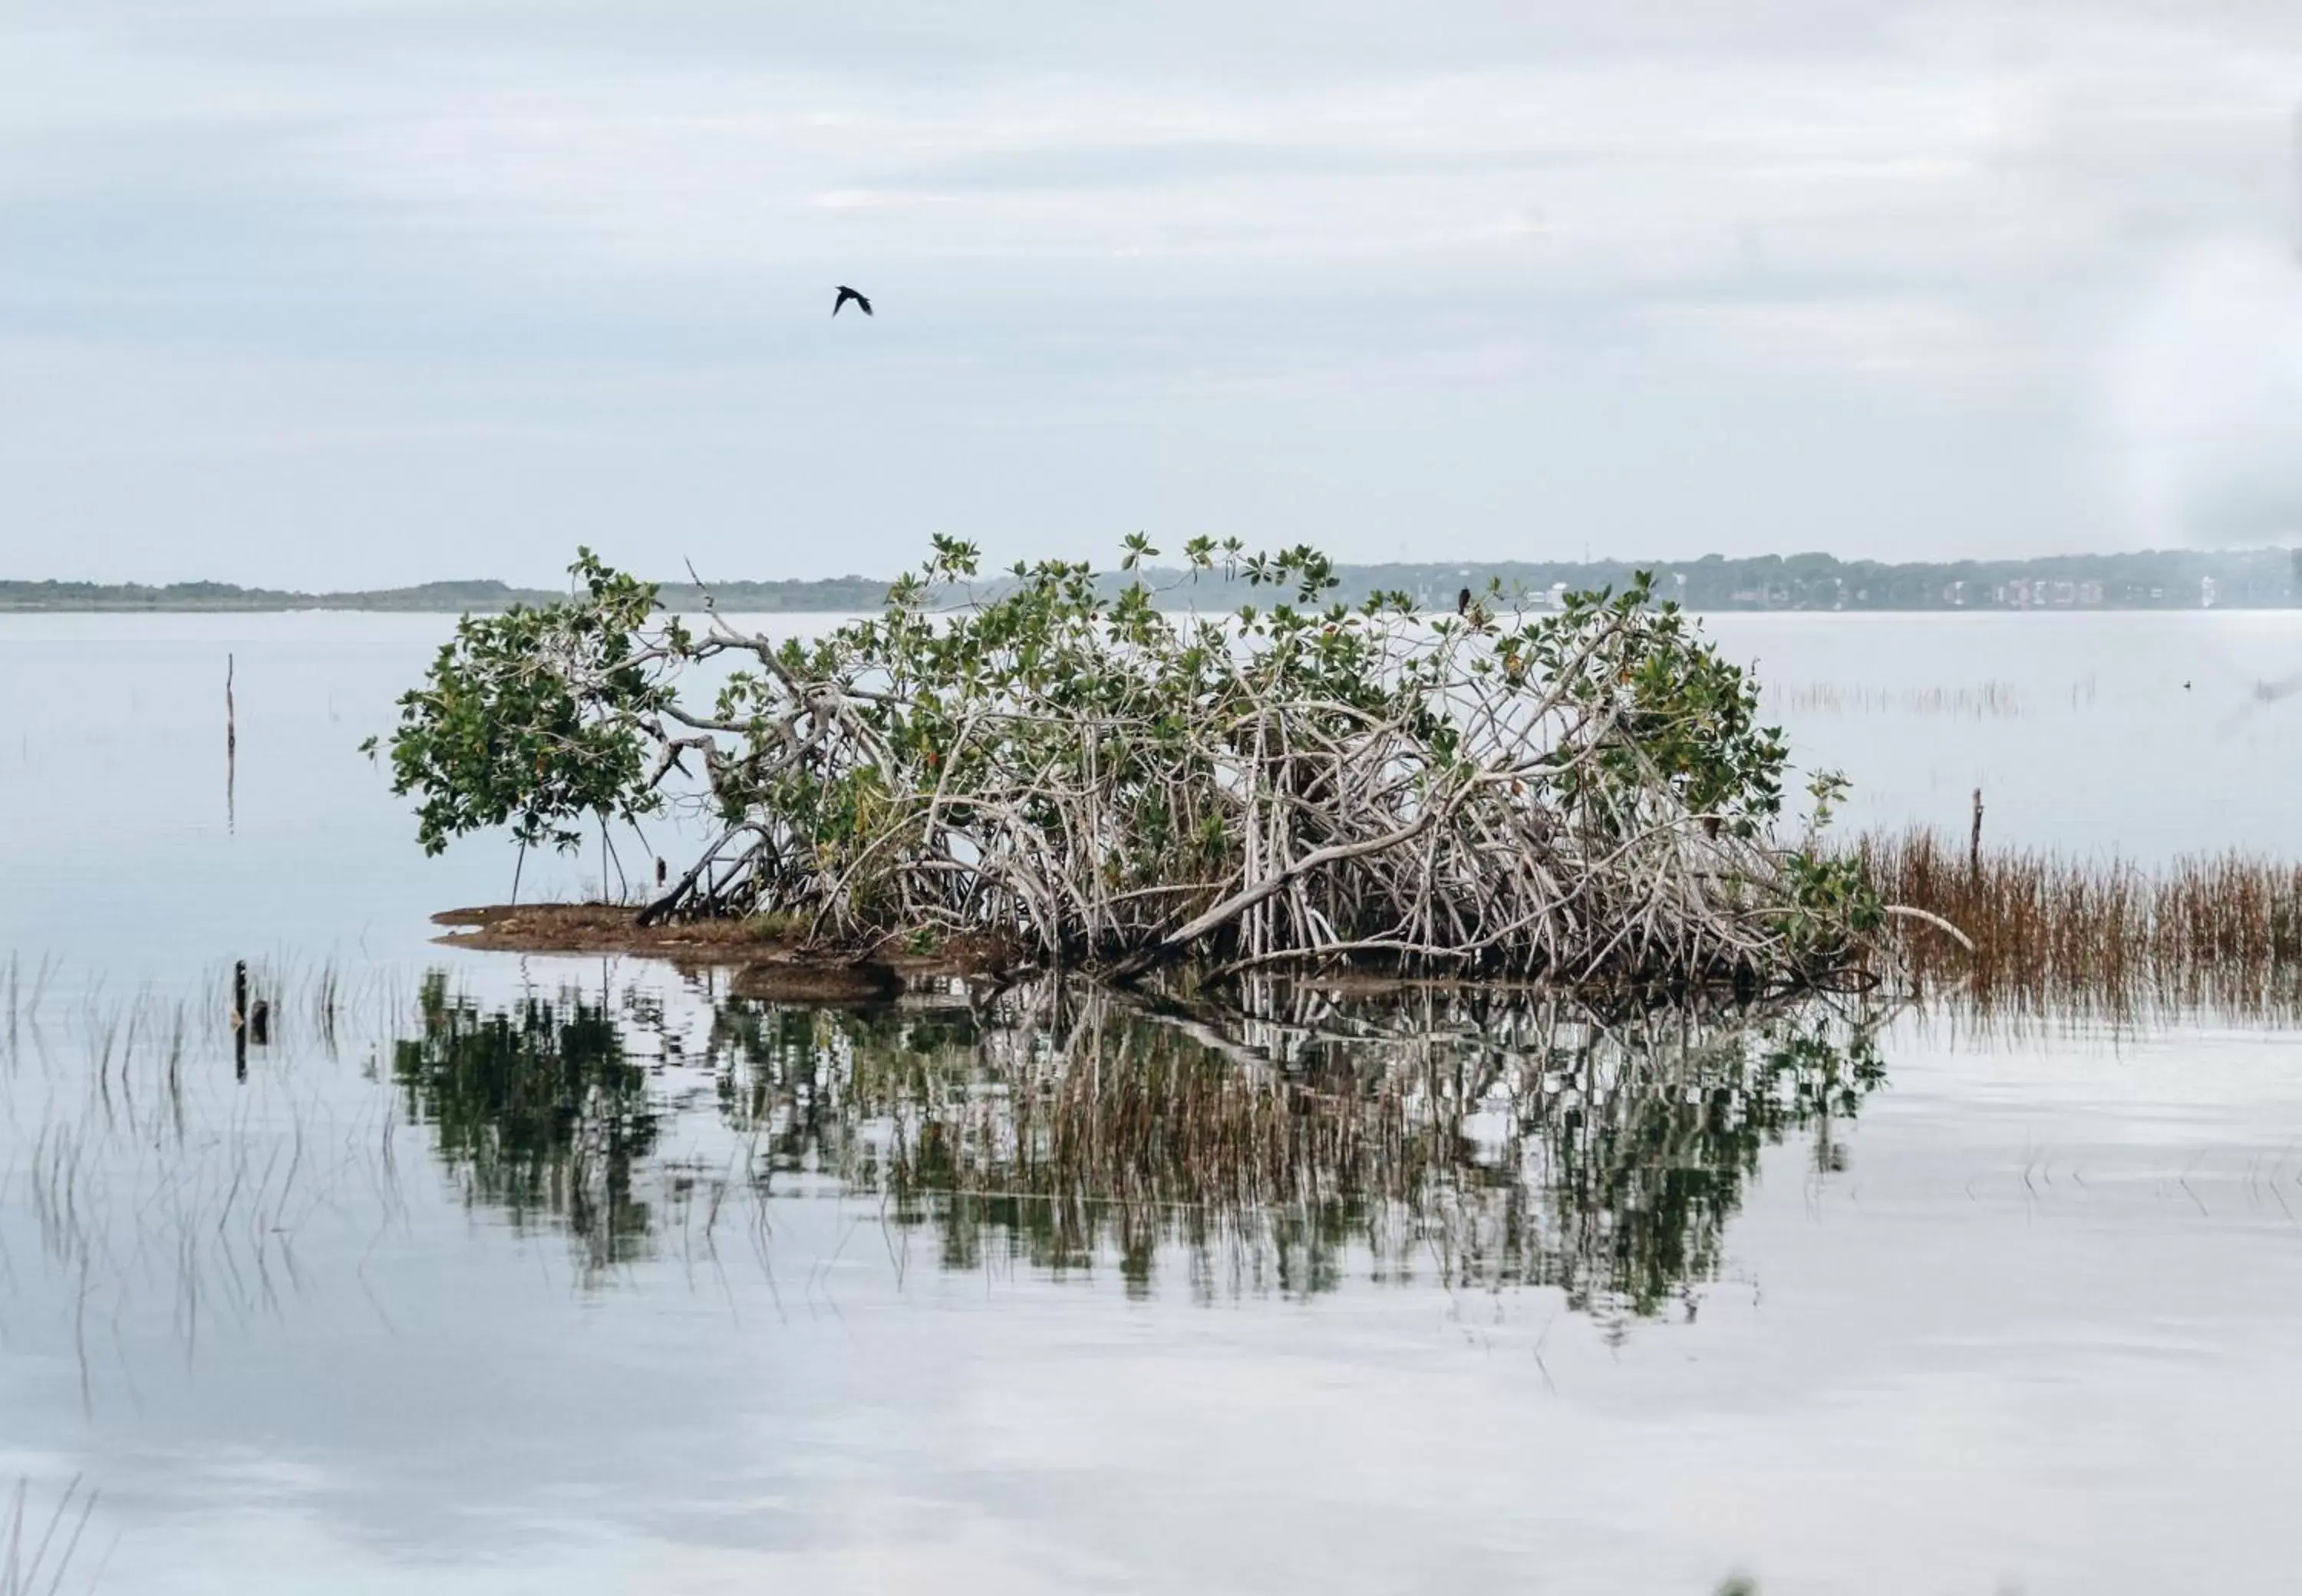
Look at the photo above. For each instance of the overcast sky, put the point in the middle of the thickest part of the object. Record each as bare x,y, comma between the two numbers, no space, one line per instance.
385,290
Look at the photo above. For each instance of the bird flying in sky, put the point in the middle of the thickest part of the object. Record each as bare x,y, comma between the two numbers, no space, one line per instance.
845,294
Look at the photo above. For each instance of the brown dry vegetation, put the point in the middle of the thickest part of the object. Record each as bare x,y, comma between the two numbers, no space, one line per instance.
2102,936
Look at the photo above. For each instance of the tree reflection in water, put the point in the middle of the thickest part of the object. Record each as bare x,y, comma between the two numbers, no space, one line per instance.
1481,1139
537,1110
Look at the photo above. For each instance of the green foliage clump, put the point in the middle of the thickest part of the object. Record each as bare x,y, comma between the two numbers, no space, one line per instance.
534,718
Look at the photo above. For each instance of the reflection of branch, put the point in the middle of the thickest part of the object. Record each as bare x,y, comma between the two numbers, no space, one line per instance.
1174,1016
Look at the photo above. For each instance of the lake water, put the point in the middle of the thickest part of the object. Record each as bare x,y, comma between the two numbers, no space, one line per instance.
502,1274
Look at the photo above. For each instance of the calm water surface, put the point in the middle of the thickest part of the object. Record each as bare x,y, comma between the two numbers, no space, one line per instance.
514,1274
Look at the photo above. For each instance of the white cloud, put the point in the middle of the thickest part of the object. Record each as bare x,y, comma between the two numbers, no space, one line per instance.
1927,341
2202,401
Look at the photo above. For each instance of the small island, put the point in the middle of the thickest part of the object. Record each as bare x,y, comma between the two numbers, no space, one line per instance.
1052,778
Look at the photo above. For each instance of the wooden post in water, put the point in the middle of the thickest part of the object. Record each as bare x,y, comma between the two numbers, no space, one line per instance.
239,1018
231,747
1974,840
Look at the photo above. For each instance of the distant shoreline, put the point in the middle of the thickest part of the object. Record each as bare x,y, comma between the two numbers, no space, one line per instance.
838,595
2152,579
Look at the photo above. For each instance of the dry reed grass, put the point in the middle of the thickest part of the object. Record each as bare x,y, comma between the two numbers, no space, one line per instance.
34,1555
2054,936
150,1166
1985,701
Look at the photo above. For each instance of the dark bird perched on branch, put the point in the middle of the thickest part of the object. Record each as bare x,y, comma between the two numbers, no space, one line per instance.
845,294
1463,602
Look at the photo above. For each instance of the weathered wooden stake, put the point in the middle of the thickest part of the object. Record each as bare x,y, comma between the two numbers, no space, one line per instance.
1974,839
239,1018
231,747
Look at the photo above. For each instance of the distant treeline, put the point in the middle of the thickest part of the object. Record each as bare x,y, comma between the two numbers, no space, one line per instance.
2153,579
446,597
837,593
